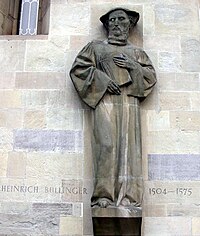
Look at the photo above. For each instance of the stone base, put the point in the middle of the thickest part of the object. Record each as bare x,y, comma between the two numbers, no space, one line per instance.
116,221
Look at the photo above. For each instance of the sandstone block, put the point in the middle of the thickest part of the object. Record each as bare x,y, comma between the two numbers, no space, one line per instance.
191,54
3,167
178,81
174,101
185,120
44,56
70,19
55,140
34,119
34,99
173,18
174,167
71,226
16,164
149,19
195,96
162,43
65,119
153,226
195,226
169,61
54,166
158,120
181,209
155,210
6,139
40,80
61,41
7,80
10,99
172,142
11,52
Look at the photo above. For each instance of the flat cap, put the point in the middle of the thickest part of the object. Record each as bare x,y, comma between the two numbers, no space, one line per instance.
133,16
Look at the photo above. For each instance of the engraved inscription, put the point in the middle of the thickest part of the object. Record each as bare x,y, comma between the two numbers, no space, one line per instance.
164,191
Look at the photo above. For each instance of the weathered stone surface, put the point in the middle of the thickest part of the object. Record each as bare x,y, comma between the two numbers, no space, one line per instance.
185,120
48,140
16,164
16,208
54,166
173,18
62,99
157,210
158,120
186,210
50,57
71,226
70,19
3,166
6,139
7,80
61,41
172,141
65,119
40,80
174,167
174,101
195,98
162,43
190,54
179,81
149,19
12,55
10,99
169,61
43,219
195,226
34,119
153,226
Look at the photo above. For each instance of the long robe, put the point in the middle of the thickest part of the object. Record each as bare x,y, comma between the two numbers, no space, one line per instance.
116,118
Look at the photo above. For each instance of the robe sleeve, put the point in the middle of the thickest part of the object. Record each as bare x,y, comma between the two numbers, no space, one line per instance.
90,83
144,76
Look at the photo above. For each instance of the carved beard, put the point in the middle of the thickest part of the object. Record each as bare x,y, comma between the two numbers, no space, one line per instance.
119,38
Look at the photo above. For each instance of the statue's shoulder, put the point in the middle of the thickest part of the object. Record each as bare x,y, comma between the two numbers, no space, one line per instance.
96,42
135,48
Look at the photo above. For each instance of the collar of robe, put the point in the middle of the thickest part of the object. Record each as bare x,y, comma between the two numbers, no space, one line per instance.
117,41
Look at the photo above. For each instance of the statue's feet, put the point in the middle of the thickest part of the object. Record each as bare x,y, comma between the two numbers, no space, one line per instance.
102,203
126,203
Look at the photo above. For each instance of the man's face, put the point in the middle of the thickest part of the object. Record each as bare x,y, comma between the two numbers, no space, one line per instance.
119,23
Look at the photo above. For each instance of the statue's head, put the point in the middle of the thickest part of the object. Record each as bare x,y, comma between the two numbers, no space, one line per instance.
118,22
121,16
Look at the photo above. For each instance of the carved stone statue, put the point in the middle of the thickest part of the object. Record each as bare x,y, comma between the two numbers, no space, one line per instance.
113,77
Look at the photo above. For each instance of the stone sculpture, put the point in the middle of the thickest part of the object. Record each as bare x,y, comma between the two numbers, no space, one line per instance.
113,77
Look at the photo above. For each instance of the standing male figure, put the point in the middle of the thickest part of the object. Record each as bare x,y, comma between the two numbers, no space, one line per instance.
112,77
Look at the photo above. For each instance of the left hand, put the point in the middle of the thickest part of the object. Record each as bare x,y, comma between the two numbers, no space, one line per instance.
124,61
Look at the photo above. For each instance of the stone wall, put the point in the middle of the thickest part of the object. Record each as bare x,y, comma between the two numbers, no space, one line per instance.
46,163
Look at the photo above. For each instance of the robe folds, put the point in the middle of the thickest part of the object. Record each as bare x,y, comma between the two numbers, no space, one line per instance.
116,118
